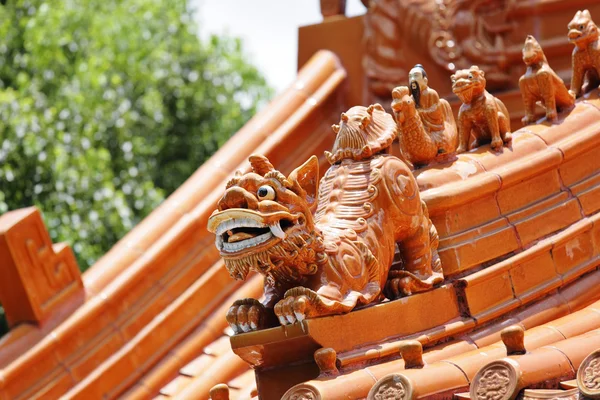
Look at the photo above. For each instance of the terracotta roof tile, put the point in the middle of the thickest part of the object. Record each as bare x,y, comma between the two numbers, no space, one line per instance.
157,299
176,386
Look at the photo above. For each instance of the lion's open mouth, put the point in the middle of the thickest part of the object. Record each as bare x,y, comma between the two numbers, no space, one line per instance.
244,231
574,35
464,92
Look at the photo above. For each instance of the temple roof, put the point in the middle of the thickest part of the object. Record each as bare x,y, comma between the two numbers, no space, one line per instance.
519,243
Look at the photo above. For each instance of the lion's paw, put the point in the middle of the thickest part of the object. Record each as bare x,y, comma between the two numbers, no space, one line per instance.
528,119
246,315
573,94
298,304
497,144
551,115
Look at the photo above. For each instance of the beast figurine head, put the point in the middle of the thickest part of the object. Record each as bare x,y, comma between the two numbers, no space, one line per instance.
468,84
582,29
403,104
533,53
264,222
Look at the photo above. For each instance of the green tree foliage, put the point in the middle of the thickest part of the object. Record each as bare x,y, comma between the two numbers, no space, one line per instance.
106,107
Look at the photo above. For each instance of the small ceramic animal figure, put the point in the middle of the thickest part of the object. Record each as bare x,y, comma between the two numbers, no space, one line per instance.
481,114
541,83
426,126
583,33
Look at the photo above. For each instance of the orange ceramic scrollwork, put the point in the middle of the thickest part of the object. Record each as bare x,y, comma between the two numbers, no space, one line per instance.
481,114
496,381
394,386
301,392
338,258
583,33
455,34
592,375
473,32
541,83
588,375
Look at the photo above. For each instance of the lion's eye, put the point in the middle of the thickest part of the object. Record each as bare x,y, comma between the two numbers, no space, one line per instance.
470,76
266,193
580,27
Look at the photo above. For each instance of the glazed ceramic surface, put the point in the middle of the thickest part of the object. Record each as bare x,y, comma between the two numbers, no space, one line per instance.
519,236
481,114
367,204
541,83
426,126
583,33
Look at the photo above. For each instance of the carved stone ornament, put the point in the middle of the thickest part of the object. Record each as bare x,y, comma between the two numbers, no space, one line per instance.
588,375
301,392
481,115
583,33
541,83
394,386
496,381
331,261
426,126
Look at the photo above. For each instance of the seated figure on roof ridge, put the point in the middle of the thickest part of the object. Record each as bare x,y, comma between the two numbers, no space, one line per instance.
426,126
367,205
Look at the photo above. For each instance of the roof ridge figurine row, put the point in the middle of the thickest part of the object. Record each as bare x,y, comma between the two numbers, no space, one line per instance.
427,130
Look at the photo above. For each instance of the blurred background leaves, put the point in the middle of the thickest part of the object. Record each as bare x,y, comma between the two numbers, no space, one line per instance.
106,107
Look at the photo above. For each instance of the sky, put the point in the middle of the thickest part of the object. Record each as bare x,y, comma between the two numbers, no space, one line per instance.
268,28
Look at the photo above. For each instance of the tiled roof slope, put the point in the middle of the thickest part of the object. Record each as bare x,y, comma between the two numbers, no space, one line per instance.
527,251
451,366
148,305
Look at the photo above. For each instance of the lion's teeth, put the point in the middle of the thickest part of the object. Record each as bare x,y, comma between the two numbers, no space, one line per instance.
238,223
277,231
236,246
219,242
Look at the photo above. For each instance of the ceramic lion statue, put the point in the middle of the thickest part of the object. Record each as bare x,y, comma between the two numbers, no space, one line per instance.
339,257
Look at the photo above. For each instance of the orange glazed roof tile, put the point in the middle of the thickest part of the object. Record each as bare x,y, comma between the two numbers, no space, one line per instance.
465,354
519,244
122,370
